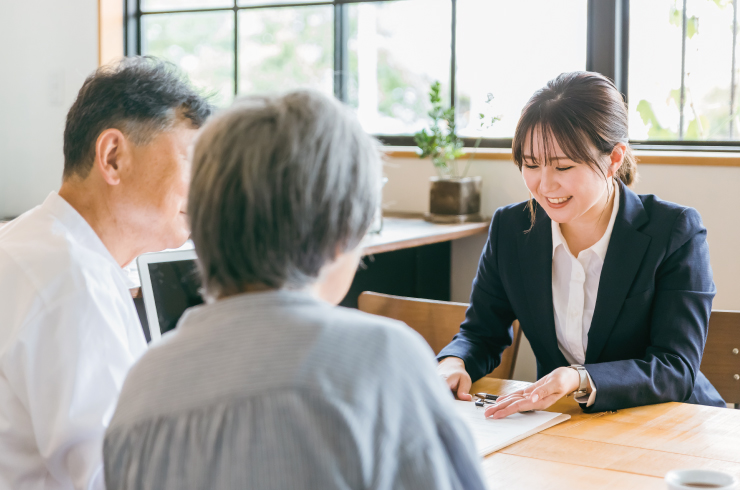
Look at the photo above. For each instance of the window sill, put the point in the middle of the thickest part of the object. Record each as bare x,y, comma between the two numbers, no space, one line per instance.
694,158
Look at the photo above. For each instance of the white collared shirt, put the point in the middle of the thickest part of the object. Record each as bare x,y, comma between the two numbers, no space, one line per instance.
69,333
575,284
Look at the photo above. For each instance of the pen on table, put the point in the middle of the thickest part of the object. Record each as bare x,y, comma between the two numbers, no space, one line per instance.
487,396
485,399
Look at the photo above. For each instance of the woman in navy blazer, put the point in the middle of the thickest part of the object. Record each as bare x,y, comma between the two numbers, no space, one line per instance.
644,340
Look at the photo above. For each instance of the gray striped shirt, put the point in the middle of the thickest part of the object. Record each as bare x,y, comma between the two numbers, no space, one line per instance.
280,390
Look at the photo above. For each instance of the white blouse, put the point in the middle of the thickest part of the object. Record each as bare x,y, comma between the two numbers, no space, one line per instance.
575,284
69,333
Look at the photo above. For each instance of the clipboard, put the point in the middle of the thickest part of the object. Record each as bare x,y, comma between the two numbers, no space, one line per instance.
490,435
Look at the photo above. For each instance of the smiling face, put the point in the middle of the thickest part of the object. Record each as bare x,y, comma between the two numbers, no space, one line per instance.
155,188
568,191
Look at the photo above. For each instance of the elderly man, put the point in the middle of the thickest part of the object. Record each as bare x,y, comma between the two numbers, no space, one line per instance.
68,328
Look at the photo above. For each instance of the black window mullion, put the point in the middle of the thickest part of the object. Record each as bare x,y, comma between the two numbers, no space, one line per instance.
131,27
733,80
683,70
453,56
128,29
341,51
608,39
236,48
623,59
138,30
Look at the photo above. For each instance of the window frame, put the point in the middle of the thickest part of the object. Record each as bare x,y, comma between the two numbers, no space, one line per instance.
607,52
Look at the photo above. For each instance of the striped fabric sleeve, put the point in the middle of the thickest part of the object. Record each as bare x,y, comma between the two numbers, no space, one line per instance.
443,463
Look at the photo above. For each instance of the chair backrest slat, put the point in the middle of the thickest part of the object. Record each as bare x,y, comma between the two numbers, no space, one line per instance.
436,321
439,321
721,361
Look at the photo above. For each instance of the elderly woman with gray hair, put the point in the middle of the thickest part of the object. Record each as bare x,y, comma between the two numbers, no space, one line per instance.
269,385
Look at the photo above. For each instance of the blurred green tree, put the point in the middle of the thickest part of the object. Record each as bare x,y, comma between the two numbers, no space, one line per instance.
713,123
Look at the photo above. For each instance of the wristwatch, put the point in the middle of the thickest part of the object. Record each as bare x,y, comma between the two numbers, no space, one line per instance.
583,385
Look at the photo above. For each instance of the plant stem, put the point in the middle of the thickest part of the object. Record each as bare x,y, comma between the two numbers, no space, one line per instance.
470,158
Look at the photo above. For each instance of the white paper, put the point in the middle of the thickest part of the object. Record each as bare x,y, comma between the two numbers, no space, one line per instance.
493,434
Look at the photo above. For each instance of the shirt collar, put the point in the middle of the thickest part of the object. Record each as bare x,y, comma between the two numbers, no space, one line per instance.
80,230
600,247
557,237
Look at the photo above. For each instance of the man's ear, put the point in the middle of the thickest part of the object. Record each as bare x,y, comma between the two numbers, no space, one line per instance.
112,152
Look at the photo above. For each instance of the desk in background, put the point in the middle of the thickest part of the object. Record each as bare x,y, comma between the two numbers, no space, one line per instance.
632,448
409,257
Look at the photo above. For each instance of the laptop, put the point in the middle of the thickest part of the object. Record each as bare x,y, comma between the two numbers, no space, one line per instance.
170,284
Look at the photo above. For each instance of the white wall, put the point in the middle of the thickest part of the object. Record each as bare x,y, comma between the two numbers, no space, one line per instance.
48,48
712,191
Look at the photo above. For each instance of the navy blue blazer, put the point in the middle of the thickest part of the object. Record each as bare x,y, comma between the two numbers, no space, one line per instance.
652,309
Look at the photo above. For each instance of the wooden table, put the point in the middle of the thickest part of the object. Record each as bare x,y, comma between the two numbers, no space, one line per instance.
631,449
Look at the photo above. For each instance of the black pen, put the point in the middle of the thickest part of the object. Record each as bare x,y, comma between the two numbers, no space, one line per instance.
487,396
483,403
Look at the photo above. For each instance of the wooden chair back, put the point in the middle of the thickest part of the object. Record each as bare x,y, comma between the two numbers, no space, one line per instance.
436,321
721,361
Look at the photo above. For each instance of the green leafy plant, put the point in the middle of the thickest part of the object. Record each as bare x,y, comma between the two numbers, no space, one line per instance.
441,142
485,122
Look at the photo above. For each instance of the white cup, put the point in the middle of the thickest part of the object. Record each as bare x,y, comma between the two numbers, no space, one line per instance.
691,479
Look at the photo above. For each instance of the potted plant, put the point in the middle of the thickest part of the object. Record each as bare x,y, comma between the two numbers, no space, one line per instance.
453,197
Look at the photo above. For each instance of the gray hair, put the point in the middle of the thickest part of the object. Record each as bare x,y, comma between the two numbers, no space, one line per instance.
280,185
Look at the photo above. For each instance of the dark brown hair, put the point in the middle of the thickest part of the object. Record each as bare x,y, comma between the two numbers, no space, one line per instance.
139,95
579,110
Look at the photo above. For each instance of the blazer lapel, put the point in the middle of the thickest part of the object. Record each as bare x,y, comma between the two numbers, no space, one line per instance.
535,259
627,247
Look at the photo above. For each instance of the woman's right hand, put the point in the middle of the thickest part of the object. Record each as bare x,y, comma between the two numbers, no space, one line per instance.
452,370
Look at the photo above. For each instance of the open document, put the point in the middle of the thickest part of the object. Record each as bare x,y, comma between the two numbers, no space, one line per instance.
491,435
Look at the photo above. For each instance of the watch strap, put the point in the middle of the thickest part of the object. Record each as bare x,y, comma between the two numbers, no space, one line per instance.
583,380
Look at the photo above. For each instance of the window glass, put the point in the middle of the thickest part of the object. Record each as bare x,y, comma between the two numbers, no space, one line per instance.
509,50
149,5
202,44
396,51
655,71
681,87
245,3
286,48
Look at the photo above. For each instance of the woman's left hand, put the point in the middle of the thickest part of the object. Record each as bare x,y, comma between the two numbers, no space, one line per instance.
539,396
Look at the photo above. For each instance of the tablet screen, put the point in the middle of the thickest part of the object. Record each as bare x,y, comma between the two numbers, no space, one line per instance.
176,287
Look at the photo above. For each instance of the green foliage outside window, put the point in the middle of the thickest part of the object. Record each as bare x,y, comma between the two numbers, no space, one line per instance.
711,124
282,49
